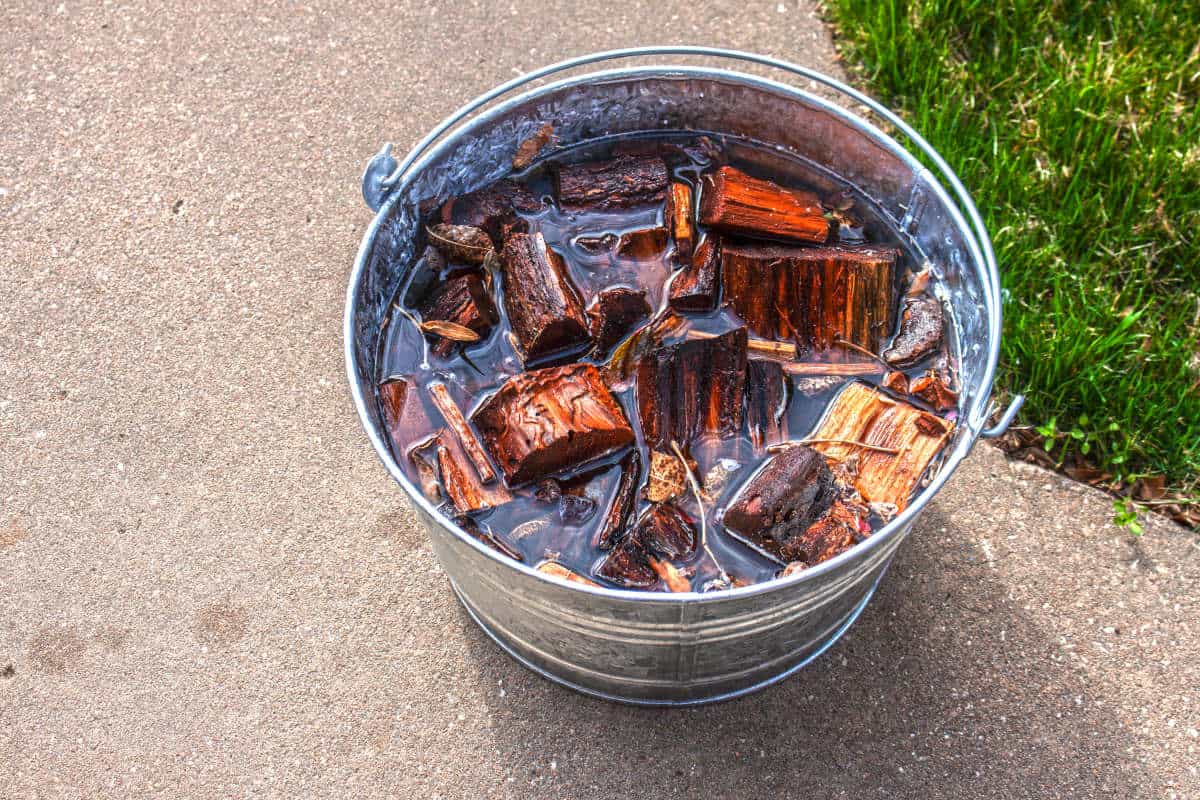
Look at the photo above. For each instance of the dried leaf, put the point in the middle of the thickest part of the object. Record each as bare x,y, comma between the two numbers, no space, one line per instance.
461,242
718,477
666,479
1151,487
528,528
449,330
527,151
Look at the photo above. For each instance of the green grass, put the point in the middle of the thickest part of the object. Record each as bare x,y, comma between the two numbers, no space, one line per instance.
1076,126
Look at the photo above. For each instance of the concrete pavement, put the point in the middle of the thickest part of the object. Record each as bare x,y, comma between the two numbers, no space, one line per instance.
210,588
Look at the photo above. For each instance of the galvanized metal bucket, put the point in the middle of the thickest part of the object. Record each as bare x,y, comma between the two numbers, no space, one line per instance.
676,649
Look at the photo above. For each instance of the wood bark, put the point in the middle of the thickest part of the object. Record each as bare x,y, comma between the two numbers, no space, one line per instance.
790,492
766,402
543,422
816,297
543,305
617,183
733,202
698,283
692,388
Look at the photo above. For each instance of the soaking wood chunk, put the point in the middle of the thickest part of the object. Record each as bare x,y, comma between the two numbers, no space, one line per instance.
493,208
932,388
691,389
561,572
403,412
696,286
621,182
442,455
542,422
614,314
818,297
733,202
921,330
662,532
836,532
782,499
902,441
623,502
643,246
766,402
678,218
543,305
462,431
464,301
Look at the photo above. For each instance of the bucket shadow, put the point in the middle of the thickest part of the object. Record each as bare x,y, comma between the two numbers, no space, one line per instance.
925,696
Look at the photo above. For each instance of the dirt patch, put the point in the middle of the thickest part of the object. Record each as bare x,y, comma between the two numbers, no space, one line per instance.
221,623
12,533
54,649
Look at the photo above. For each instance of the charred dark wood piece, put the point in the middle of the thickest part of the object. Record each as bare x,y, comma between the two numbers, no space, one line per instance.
692,388
628,566
614,314
696,286
783,498
663,531
620,182
921,329
733,202
679,219
542,422
543,305
493,208
836,532
464,301
817,297
624,499
766,402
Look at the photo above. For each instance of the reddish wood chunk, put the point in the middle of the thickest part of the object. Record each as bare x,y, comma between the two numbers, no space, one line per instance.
493,208
693,388
403,412
696,286
620,182
921,330
766,402
679,218
643,246
563,573
733,202
464,301
814,296
908,436
628,566
542,422
932,388
623,502
462,431
442,455
896,381
835,533
543,305
614,314
784,497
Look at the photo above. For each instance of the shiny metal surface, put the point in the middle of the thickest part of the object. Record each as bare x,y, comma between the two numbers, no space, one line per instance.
671,649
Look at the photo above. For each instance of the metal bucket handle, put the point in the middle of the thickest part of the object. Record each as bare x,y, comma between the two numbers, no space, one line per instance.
383,173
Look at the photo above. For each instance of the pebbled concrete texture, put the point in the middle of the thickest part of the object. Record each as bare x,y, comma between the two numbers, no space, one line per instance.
210,588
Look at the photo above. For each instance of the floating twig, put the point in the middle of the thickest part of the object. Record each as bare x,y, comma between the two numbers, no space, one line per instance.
695,487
